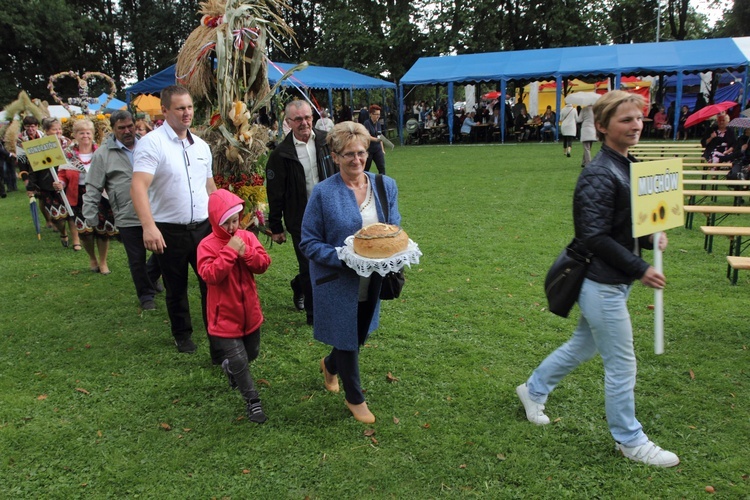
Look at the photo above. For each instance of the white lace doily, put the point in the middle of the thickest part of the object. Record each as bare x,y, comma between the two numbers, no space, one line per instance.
365,267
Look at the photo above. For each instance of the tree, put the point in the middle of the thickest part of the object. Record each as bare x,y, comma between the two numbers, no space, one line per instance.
736,20
34,51
376,37
468,26
677,16
122,38
154,31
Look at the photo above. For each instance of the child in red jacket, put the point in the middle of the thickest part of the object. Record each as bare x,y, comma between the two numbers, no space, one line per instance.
227,260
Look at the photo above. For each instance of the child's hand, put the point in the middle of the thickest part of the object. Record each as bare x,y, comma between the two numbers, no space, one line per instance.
237,243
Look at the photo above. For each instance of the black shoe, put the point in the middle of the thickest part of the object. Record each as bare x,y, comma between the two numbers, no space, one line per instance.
309,319
185,345
230,377
148,305
158,287
255,412
298,298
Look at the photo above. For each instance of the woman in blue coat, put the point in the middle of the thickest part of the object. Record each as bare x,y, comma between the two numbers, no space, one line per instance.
346,306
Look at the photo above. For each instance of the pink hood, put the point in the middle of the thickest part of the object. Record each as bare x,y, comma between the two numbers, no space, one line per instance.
219,202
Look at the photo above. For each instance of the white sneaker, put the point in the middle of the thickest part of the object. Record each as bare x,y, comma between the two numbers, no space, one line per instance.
649,454
534,411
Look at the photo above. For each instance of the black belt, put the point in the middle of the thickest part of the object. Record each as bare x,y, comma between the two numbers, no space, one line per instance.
184,227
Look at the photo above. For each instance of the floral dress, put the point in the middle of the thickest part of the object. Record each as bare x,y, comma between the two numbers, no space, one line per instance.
106,219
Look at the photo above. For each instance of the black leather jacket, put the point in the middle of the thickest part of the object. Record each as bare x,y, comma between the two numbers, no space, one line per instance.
601,213
285,183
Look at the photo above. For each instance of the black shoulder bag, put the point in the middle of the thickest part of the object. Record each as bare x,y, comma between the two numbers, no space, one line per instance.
392,282
565,278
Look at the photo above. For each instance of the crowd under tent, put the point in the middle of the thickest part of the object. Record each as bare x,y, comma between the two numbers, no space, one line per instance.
538,95
728,87
311,77
679,58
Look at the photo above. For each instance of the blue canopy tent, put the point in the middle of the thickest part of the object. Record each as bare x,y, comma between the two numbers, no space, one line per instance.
639,59
328,78
312,77
728,89
152,84
112,105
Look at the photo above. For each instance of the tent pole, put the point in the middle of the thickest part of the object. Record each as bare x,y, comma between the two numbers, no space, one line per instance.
503,95
384,113
400,115
558,102
450,113
677,106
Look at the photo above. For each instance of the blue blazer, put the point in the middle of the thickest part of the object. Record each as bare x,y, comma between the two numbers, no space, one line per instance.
331,215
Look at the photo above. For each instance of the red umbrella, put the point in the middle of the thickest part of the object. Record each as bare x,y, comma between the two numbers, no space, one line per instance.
491,95
709,111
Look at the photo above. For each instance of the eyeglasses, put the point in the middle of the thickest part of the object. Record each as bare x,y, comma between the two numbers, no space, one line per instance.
301,119
362,155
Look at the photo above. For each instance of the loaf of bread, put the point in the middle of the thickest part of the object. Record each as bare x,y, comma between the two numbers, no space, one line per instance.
380,241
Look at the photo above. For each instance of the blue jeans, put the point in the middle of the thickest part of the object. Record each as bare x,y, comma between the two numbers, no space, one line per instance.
604,327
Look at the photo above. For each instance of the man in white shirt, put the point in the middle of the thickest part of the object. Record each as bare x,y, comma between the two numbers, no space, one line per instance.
172,179
299,162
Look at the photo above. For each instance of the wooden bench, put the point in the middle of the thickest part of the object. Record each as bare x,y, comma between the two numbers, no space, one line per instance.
717,209
697,196
736,263
741,186
734,233
691,165
713,193
664,147
711,212
715,182
716,173
653,157
669,144
666,151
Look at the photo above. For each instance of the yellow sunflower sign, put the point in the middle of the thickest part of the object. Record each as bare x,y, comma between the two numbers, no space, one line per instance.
44,153
656,195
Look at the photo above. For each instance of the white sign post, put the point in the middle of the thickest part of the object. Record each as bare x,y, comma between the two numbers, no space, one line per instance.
656,204
658,299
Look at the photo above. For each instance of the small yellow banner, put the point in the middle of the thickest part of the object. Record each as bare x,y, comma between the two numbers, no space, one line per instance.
44,153
656,195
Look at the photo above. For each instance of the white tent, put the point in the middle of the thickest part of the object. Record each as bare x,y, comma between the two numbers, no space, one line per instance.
60,112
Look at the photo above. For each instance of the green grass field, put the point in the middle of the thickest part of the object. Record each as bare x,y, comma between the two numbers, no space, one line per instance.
95,401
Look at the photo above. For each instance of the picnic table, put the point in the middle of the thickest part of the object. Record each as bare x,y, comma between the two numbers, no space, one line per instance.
480,131
735,261
436,133
704,173
715,214
716,182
